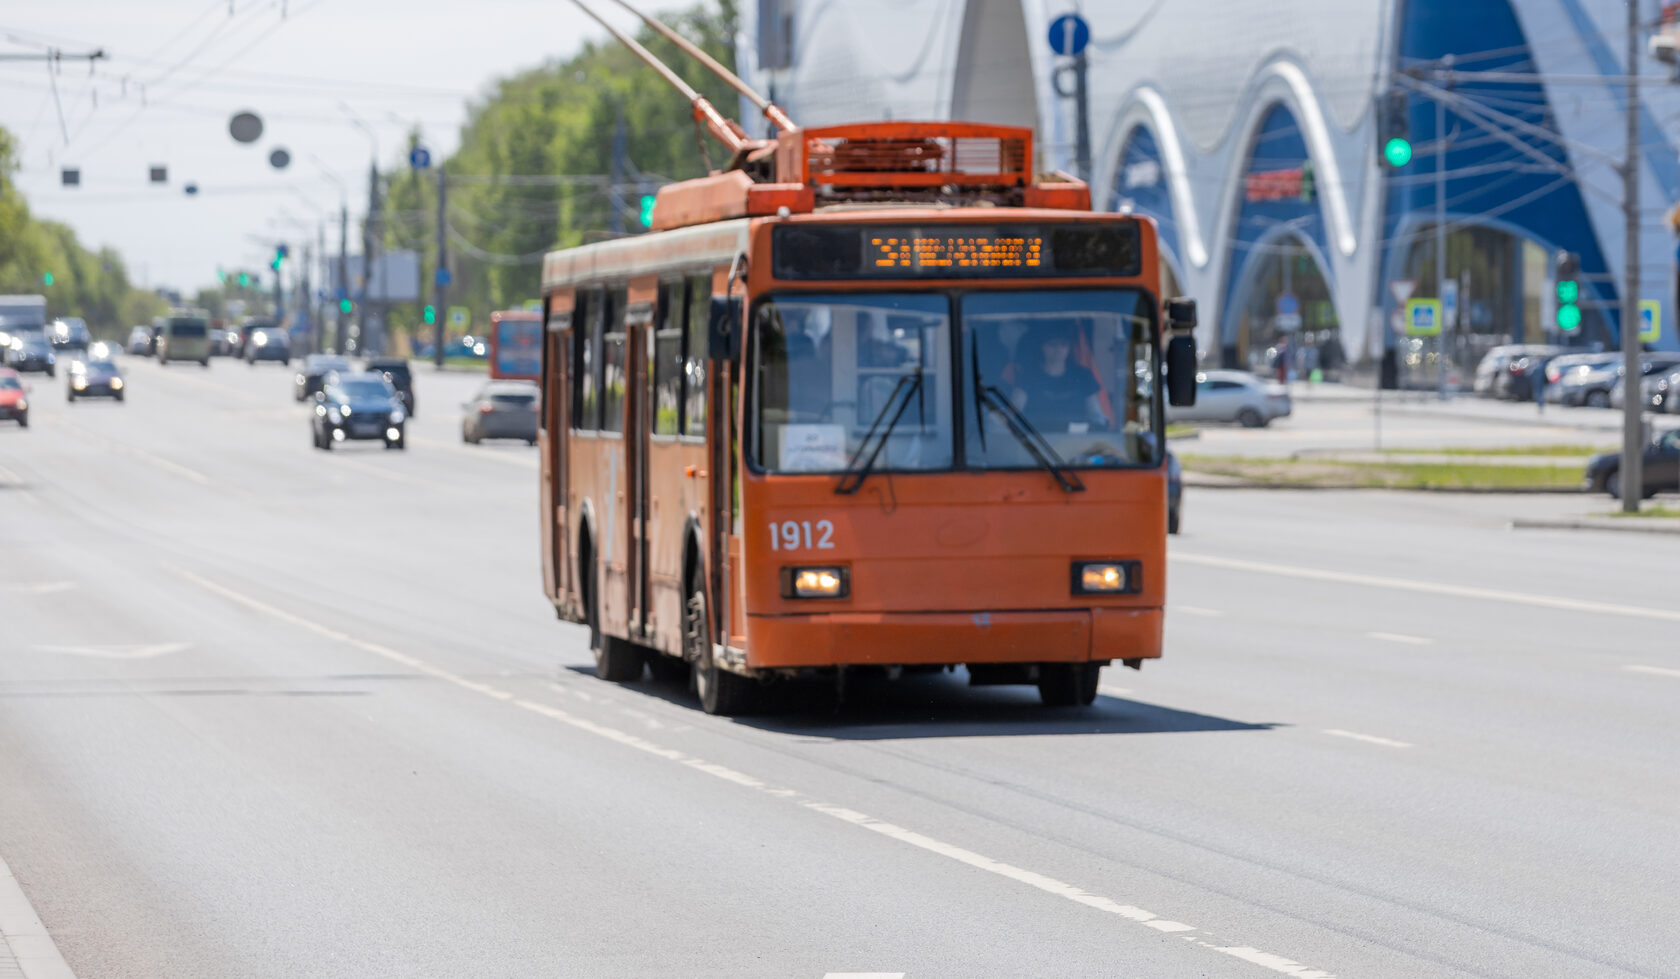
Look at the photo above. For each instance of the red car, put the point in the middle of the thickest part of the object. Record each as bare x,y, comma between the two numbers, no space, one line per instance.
13,403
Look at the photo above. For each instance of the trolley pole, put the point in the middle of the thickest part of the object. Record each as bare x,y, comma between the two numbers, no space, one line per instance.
1633,436
440,277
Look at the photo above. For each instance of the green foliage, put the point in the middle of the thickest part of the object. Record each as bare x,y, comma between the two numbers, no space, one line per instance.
92,285
559,119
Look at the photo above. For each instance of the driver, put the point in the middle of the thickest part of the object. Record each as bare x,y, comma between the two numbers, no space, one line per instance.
1052,389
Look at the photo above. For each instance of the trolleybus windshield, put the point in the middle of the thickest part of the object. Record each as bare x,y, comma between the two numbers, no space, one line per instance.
1070,370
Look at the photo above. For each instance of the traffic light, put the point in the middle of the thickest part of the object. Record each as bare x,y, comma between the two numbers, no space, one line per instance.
221,276
430,315
244,280
279,257
647,210
46,278
1394,129
1568,291
345,306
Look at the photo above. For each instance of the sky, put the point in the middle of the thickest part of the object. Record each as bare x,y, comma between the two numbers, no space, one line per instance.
175,73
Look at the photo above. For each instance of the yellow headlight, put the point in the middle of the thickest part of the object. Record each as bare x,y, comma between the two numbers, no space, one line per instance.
78,384
116,384
1102,577
815,583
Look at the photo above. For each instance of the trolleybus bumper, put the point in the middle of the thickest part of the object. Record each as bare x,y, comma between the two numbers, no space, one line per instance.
923,638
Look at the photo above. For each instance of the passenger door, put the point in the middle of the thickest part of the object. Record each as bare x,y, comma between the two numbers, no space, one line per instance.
638,322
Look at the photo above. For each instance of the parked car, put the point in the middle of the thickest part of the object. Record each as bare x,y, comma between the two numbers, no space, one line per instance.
357,406
502,410
1517,380
1234,396
267,342
307,382
1494,367
69,334
396,371
31,352
1175,492
1570,370
1660,468
14,397
93,377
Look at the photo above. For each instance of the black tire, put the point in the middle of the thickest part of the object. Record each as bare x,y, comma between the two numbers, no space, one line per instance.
1613,485
326,440
720,691
1172,521
23,420
616,660
397,444
52,372
205,362
530,441
1068,684
70,397
119,395
1250,418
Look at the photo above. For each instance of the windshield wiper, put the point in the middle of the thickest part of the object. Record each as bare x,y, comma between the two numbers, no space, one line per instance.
852,481
1040,448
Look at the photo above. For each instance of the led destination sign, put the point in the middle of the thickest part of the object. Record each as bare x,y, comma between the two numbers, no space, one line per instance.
955,251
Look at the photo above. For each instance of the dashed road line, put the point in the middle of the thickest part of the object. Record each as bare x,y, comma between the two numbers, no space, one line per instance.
1196,610
1048,885
1367,738
36,954
1653,670
1400,637
863,975
1431,588
150,458
38,587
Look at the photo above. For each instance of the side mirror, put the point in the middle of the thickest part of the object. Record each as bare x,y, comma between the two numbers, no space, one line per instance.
723,329
1181,353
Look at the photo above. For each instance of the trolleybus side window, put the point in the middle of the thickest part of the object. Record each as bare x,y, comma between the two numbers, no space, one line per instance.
694,351
586,341
1077,367
668,360
829,368
613,363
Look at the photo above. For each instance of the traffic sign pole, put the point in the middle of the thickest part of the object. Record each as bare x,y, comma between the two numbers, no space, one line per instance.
1069,36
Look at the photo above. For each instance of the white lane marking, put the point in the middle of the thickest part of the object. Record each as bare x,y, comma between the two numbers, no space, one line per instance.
39,587
1030,878
1431,588
1400,637
1206,613
1276,963
1367,738
123,448
1653,670
1114,691
863,975
21,930
10,478
141,651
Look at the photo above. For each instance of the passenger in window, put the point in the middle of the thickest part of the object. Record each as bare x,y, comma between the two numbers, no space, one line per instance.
1054,390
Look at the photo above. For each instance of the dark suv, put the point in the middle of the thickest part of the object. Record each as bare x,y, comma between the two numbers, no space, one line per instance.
396,371
316,367
357,406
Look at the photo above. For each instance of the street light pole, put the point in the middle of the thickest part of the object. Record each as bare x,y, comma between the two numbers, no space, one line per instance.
1633,440
370,233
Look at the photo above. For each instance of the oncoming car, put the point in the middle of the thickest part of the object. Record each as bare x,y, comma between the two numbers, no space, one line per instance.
358,407
268,343
14,397
94,377
307,382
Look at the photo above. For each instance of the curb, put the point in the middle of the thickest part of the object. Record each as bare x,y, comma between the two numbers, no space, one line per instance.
1625,525
23,939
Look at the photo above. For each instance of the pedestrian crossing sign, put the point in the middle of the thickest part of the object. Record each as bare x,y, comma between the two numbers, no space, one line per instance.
459,317
1650,320
1423,317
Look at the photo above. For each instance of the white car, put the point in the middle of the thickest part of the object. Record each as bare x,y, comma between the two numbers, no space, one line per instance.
1234,396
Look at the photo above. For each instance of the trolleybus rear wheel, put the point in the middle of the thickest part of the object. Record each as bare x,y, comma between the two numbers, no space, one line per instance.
616,660
1068,684
720,691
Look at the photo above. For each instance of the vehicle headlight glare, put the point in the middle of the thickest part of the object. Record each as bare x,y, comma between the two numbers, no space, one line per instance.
817,582
344,410
260,339
396,416
1103,577
116,384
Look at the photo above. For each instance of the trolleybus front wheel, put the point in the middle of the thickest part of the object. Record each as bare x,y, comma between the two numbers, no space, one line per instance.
1068,684
720,691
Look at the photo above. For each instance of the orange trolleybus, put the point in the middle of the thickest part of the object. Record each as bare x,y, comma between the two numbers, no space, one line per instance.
872,398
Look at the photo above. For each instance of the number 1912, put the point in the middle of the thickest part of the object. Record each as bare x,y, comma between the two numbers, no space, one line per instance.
791,535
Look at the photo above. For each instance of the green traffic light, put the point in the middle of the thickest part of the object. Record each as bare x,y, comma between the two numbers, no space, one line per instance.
1568,317
1398,152
221,276
430,315
647,210
244,279
1568,290
345,305
46,278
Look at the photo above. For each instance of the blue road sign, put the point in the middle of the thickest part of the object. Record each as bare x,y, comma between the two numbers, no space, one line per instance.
419,158
1423,317
1069,34
442,277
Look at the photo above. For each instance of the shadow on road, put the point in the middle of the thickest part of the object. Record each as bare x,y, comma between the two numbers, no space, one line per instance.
942,706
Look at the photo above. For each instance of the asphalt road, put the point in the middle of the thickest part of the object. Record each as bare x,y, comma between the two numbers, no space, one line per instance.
272,712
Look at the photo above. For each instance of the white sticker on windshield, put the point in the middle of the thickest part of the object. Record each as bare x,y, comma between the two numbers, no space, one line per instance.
813,448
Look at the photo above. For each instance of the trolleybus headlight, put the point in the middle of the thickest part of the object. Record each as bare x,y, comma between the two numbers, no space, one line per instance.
1104,577
815,582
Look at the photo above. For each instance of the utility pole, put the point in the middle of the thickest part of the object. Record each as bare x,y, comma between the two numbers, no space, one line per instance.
1633,436
440,277
317,337
1441,234
370,227
305,307
343,273
279,296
